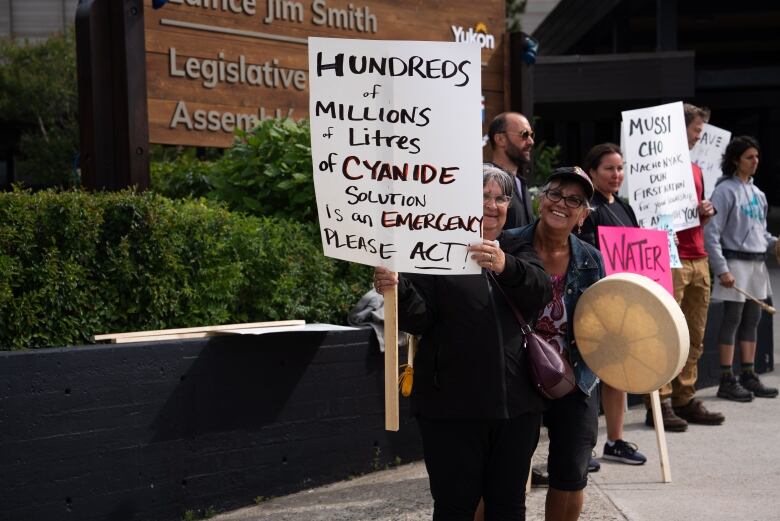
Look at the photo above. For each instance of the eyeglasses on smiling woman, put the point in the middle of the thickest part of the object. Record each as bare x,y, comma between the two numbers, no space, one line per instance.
571,201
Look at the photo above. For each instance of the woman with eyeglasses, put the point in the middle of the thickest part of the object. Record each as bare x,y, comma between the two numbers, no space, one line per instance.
478,413
572,266
604,164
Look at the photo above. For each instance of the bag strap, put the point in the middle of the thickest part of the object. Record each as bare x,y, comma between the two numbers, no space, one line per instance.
524,326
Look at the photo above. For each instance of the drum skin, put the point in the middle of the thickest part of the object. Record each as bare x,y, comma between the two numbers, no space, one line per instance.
631,332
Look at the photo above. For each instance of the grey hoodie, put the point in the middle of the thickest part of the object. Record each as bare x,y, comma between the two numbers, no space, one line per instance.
740,223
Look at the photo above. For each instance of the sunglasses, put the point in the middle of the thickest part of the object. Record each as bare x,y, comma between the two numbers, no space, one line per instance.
525,134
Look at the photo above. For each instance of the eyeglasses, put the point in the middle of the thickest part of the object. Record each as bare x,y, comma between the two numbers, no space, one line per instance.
571,201
500,200
525,134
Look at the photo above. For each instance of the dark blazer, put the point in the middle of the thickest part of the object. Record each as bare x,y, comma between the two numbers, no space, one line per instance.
521,211
470,363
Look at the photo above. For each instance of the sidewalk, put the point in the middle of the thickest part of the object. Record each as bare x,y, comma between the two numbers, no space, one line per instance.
719,473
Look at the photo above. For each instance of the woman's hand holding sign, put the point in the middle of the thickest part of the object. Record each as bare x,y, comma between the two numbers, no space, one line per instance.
489,255
384,279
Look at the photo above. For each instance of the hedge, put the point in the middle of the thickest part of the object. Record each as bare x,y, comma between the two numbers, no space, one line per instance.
267,172
75,264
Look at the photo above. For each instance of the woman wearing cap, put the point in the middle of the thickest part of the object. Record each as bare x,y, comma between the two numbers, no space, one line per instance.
604,164
737,241
572,266
478,413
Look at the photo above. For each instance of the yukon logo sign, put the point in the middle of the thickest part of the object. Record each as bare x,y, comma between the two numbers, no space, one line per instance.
478,34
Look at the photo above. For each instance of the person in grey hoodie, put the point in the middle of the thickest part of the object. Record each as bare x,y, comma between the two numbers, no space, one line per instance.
737,242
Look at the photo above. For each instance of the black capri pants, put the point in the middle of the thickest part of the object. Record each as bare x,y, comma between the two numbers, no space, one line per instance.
572,425
740,321
469,459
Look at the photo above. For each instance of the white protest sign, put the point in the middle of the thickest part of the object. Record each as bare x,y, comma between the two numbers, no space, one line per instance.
708,153
658,166
395,131
623,191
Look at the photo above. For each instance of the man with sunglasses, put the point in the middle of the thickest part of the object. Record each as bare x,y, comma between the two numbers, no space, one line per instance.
512,141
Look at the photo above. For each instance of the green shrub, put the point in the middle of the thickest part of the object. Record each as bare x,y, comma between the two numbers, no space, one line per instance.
183,176
268,172
39,96
74,264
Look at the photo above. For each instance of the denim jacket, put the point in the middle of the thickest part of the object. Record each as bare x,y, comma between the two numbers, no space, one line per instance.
585,268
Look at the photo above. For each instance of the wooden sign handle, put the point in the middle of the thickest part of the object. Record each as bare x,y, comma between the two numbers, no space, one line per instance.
391,358
660,434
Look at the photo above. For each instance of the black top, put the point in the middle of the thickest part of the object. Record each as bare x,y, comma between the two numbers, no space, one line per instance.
617,213
521,211
471,362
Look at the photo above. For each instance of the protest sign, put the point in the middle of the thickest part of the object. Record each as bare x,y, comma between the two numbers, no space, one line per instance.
665,223
636,250
708,153
396,130
658,166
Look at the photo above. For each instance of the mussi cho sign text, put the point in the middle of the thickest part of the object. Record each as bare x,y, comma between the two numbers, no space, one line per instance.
396,152
217,65
658,166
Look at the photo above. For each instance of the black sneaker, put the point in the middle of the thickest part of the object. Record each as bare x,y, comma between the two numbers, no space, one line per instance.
539,478
593,464
751,382
731,389
624,452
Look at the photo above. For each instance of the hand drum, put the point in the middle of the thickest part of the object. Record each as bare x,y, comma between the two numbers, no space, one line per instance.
631,332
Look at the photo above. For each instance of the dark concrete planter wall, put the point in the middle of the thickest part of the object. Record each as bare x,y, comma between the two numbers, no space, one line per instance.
148,431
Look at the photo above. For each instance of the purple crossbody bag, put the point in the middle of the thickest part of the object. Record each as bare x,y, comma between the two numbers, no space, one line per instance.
550,372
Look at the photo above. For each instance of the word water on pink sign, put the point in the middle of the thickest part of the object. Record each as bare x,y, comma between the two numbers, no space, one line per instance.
636,250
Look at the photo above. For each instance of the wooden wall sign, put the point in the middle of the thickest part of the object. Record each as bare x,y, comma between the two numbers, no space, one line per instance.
217,65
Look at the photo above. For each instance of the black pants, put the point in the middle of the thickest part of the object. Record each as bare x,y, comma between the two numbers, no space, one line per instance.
469,459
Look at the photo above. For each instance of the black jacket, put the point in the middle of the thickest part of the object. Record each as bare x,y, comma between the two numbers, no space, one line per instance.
471,363
521,211
601,215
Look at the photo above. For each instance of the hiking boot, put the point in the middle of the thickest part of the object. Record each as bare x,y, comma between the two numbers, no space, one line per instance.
624,452
751,382
672,422
731,389
695,412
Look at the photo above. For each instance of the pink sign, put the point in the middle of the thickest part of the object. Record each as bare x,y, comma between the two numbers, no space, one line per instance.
636,250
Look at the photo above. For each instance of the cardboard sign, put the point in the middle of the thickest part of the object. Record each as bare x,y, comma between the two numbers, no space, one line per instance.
708,153
658,166
636,250
395,129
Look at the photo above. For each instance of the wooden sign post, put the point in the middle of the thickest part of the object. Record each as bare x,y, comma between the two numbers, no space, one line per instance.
391,359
